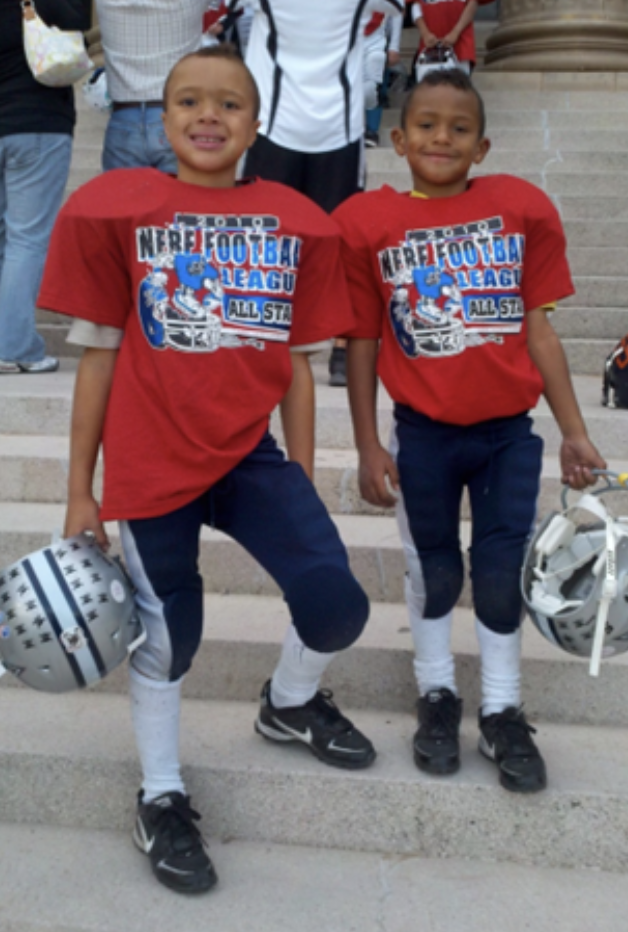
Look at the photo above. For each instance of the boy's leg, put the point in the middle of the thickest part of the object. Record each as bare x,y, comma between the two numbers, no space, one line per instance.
270,507
169,597
436,743
503,494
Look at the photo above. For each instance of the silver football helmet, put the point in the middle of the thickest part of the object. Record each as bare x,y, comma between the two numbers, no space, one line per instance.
67,616
575,577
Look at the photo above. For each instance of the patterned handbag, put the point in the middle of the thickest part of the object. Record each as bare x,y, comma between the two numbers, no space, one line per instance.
56,58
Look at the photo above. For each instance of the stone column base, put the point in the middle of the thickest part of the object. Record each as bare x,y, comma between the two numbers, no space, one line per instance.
560,35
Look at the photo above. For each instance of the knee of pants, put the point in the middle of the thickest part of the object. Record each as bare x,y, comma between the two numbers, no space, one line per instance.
173,634
329,608
443,579
497,601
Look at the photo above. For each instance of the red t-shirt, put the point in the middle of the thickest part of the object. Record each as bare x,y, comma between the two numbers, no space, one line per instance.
440,18
445,285
211,287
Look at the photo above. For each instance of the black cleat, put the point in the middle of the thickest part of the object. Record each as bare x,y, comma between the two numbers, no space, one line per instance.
319,725
165,831
436,744
505,739
338,367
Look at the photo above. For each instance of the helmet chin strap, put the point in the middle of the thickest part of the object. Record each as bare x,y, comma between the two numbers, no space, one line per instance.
609,591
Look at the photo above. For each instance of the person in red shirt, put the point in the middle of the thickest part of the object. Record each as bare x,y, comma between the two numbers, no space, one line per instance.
449,22
451,285
189,294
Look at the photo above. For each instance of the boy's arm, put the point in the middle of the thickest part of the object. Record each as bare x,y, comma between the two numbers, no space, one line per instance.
91,394
578,456
297,414
376,463
428,38
467,16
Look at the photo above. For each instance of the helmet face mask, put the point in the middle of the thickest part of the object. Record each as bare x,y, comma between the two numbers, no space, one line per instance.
564,579
67,616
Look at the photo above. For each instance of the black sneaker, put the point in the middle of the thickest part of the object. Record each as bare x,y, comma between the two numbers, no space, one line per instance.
436,744
505,739
318,724
371,139
338,367
164,830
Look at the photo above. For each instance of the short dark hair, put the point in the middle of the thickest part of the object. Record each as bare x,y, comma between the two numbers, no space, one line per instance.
226,51
452,77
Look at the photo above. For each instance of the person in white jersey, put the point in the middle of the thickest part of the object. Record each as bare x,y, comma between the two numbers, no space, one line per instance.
307,59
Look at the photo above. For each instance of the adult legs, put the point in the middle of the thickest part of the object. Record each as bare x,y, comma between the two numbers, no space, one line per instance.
135,138
34,170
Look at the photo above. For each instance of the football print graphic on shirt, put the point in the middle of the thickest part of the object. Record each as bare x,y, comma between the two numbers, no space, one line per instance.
454,287
216,282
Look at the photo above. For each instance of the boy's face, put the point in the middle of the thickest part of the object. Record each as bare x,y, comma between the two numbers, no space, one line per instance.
441,139
209,119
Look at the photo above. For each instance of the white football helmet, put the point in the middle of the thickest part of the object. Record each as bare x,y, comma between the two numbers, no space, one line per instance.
67,616
438,58
96,92
575,577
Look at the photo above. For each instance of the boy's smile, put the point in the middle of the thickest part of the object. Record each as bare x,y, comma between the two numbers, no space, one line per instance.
441,139
209,119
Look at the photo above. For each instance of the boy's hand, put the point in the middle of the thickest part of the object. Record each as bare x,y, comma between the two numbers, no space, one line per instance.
378,477
83,516
577,458
429,39
451,38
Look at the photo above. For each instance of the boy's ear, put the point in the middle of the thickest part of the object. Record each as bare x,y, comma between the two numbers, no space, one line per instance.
398,137
253,135
482,150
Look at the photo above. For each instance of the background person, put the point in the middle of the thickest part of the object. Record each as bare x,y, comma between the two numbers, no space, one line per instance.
36,127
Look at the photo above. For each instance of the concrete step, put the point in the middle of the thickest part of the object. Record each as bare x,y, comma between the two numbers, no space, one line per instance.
373,544
579,207
278,888
541,118
598,233
41,404
34,469
551,161
559,185
70,761
241,645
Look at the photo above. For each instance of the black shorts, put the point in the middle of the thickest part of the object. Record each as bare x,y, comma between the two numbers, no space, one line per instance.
328,178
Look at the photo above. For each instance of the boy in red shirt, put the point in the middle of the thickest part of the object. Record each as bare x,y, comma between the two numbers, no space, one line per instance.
449,22
189,294
451,284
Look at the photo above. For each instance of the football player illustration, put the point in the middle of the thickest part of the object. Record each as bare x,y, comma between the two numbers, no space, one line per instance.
434,326
192,319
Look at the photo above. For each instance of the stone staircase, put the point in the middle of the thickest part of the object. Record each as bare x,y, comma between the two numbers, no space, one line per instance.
297,844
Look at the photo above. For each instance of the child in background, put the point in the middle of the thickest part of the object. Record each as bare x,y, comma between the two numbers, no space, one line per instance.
451,285
449,22
382,39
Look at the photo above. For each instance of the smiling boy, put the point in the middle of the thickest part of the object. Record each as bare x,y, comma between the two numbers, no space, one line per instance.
451,284
189,294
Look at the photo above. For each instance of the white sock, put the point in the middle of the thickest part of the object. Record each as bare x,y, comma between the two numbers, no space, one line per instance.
296,678
501,668
434,666
155,708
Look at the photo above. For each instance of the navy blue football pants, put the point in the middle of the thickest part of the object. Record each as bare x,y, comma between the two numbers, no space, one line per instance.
499,462
270,507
